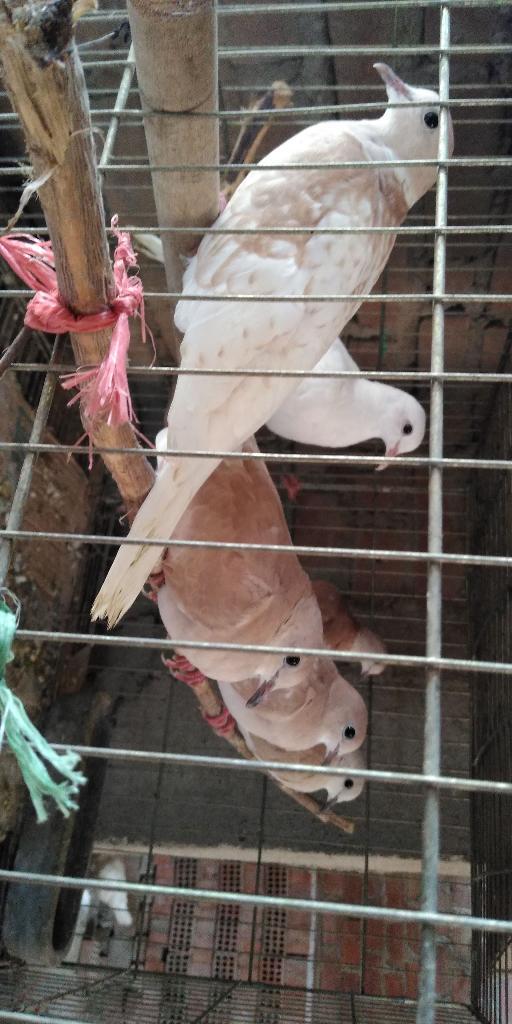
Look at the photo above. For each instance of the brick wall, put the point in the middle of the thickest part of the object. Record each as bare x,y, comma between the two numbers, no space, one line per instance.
215,940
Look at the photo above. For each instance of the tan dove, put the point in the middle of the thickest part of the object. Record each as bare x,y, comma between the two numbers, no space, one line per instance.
343,632
255,597
340,788
219,413
301,717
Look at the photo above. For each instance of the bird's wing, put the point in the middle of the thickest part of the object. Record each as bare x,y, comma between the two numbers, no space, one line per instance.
221,413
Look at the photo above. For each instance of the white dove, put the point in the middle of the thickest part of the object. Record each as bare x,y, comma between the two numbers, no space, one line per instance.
336,413
218,413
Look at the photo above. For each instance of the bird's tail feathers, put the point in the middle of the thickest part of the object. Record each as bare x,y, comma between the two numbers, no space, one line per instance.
366,640
158,516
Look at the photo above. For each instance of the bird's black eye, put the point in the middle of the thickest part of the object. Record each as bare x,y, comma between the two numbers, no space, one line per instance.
348,783
292,660
349,732
407,428
431,119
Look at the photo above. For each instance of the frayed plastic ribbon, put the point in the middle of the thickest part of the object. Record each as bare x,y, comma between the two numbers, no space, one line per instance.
103,389
29,747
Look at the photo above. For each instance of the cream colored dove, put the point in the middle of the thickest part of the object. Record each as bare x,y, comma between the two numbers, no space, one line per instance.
255,597
339,788
343,632
350,185
336,413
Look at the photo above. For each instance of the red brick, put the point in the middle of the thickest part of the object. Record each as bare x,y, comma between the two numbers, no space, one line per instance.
461,990
351,950
329,977
153,964
161,905
397,952
164,870
299,882
395,984
396,892
376,894
336,885
300,919
411,984
297,942
294,973
373,982
349,981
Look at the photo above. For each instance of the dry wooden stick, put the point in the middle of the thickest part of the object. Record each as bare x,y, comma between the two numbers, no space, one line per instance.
45,82
252,133
176,56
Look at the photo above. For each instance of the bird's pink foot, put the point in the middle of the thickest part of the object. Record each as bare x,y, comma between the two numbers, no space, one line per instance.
292,485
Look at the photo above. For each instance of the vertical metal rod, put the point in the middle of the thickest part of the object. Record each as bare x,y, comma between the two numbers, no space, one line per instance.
432,735
120,105
312,951
20,498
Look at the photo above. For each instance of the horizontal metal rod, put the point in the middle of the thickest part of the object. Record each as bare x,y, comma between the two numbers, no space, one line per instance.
243,113
327,165
313,459
365,912
383,554
37,1018
313,8
402,229
153,643
295,50
448,298
412,376
236,763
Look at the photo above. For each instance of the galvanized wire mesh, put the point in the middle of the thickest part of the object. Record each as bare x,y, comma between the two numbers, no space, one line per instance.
437,324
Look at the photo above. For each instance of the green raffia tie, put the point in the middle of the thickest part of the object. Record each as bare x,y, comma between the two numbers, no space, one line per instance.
26,742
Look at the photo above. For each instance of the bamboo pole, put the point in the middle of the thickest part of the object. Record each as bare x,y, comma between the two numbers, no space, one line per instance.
44,78
176,57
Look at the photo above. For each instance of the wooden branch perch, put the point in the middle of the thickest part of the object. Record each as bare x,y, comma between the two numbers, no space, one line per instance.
176,55
252,133
211,704
45,82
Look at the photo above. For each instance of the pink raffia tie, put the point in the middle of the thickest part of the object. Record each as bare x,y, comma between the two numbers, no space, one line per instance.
103,389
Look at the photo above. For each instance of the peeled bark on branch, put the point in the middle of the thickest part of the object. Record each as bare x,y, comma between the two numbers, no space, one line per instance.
44,78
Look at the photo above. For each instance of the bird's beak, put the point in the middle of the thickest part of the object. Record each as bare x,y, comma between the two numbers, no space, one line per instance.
260,694
390,454
329,757
398,91
327,805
